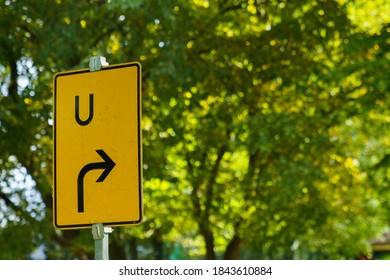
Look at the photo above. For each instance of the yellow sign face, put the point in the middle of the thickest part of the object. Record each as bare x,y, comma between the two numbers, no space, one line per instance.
98,147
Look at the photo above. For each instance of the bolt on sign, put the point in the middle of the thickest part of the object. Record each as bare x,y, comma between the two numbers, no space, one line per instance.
97,150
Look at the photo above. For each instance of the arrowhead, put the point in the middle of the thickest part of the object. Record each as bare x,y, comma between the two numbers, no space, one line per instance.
108,165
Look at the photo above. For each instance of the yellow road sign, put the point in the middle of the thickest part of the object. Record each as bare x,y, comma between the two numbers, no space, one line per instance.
97,149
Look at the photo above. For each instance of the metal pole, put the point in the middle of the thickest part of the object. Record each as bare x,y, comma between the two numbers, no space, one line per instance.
99,232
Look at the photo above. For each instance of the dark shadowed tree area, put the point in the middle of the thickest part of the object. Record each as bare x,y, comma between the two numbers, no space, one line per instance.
265,125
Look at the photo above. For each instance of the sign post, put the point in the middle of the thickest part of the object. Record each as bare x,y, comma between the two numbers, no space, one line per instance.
100,233
97,152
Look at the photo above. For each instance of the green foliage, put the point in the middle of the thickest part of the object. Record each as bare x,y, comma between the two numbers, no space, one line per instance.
264,124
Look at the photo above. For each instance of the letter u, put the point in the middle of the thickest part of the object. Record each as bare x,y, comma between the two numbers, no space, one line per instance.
77,110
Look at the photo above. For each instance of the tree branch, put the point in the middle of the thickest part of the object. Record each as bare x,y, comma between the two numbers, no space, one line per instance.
212,179
18,210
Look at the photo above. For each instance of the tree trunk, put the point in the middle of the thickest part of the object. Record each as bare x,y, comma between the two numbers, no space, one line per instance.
209,240
133,248
158,245
117,246
233,249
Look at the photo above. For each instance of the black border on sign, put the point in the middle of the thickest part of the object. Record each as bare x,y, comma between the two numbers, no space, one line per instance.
139,114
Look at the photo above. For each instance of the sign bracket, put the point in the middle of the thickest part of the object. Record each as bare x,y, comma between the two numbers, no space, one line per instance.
97,62
100,236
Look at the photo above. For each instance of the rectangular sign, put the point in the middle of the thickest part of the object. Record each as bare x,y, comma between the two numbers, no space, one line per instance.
98,147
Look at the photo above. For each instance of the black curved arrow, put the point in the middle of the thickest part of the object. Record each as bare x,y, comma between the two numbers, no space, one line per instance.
108,164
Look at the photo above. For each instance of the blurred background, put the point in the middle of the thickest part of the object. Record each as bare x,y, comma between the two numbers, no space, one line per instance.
265,125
